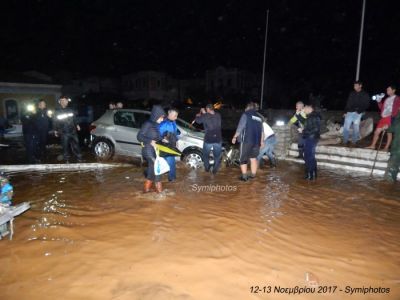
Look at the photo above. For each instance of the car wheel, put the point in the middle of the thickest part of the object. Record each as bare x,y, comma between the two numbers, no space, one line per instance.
103,149
193,159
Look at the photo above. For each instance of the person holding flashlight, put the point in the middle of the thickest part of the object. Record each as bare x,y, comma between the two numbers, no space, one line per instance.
389,110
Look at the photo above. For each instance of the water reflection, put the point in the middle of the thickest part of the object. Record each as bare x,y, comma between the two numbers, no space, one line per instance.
94,235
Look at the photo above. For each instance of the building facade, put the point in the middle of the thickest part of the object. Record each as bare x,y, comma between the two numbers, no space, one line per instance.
223,81
149,85
15,98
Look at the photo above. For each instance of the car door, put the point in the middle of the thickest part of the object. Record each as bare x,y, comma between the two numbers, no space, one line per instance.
125,133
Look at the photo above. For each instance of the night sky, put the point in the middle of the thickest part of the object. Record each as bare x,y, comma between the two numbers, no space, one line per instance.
312,45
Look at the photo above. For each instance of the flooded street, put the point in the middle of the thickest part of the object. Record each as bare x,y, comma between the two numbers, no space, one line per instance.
94,235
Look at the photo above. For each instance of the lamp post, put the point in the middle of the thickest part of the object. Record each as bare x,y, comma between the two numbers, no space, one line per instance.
360,42
265,57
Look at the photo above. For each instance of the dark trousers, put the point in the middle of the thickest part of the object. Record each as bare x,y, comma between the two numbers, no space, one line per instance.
41,144
70,140
150,169
300,145
309,154
30,146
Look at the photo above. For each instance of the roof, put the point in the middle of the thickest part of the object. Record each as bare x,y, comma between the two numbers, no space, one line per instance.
15,77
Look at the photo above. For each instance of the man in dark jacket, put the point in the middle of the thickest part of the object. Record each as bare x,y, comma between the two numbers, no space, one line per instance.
65,125
357,104
250,131
42,124
211,121
311,133
149,134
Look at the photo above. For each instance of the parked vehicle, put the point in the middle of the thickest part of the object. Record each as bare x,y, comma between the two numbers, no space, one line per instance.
14,131
115,133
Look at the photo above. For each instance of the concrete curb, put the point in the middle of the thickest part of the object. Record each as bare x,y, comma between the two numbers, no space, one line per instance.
61,167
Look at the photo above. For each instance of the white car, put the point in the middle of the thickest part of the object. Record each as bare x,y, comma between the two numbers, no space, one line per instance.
14,131
115,133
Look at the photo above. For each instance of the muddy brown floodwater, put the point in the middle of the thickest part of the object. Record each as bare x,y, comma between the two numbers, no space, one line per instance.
93,235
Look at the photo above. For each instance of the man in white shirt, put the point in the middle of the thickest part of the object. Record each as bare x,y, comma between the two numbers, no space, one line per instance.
269,144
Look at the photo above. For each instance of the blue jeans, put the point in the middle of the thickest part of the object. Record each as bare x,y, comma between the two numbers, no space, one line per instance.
172,168
217,150
309,154
268,148
355,119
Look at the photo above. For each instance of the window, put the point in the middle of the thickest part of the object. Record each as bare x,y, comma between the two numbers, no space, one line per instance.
187,126
140,118
124,118
12,110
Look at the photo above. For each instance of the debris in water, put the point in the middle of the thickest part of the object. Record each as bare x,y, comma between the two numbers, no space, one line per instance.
311,279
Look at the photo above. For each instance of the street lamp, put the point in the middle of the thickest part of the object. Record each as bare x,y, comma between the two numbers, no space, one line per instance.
360,42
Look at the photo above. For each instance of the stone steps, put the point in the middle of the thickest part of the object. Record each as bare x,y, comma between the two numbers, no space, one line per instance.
344,158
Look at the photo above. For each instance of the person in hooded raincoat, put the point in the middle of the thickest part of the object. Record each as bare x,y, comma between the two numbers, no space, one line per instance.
148,135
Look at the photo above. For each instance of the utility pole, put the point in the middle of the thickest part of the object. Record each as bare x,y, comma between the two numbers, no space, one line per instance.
265,58
360,42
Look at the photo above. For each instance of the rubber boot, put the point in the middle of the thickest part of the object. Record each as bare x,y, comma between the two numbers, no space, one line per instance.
159,187
147,185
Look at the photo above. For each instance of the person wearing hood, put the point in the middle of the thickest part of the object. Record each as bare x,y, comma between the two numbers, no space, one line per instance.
311,133
148,135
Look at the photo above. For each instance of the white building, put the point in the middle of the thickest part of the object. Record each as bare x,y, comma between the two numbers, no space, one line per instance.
149,85
225,81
